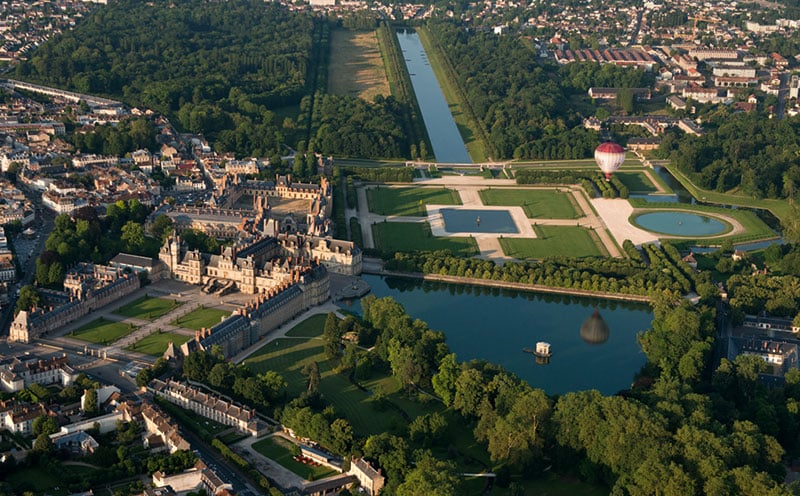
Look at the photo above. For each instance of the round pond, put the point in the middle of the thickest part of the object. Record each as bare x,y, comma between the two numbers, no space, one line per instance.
678,223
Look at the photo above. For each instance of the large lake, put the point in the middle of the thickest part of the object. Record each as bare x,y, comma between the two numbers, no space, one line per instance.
496,325
448,146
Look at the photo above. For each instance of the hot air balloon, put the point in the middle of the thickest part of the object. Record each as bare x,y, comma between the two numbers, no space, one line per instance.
594,330
609,156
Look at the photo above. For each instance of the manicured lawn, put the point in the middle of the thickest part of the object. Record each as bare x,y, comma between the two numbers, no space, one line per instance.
36,479
102,331
570,241
537,203
637,182
310,328
548,485
201,317
148,308
288,357
408,201
406,236
280,450
156,344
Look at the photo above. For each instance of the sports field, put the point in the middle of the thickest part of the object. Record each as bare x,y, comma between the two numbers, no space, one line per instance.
201,317
356,68
537,203
148,308
156,343
102,331
280,450
569,241
407,236
408,201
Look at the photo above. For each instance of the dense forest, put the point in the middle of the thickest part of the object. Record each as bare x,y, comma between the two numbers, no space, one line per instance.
525,108
743,150
218,68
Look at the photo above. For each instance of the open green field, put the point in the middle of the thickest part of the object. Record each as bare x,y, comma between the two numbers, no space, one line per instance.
568,241
637,182
548,485
148,308
408,201
280,450
408,236
102,331
156,344
475,147
288,357
356,68
537,203
310,328
201,317
35,479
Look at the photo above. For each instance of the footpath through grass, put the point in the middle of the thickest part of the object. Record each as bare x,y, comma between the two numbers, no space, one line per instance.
282,451
406,236
568,241
201,317
408,201
148,308
537,203
156,343
102,331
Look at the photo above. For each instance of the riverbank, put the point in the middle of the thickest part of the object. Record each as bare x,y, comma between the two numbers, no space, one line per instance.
375,267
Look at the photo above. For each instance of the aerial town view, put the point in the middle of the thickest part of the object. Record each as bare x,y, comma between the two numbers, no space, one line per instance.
448,248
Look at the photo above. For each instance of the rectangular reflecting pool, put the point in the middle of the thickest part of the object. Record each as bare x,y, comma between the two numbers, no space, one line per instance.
478,221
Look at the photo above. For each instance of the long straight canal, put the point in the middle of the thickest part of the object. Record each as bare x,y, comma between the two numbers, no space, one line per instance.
448,145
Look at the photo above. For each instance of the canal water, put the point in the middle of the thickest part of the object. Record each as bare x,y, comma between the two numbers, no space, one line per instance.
495,325
448,146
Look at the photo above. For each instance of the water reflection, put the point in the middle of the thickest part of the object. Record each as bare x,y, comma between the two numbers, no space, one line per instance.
594,329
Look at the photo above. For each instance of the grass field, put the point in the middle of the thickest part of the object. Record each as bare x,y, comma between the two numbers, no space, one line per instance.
569,241
288,356
310,328
148,308
356,68
201,317
537,203
280,450
408,201
36,479
637,182
156,344
406,236
102,331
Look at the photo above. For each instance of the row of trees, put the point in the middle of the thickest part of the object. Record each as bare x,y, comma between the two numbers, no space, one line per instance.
623,276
